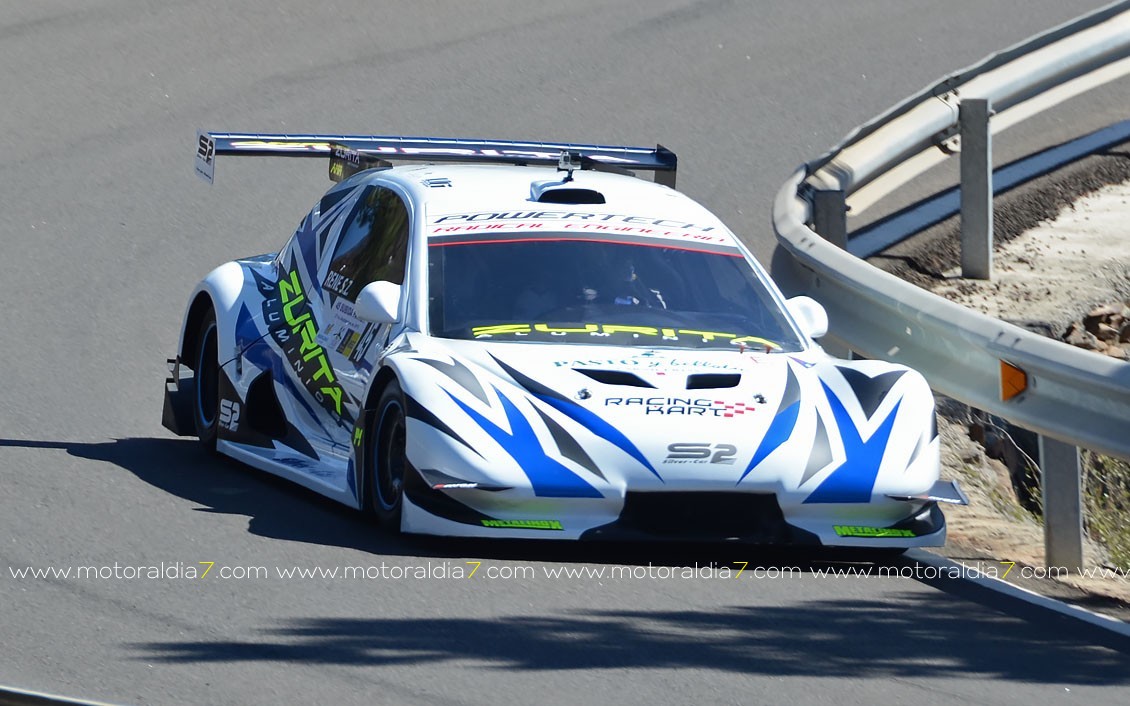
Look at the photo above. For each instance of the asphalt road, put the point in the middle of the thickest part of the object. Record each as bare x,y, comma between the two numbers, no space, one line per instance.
105,230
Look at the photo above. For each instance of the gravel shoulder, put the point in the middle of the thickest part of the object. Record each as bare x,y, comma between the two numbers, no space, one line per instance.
1061,251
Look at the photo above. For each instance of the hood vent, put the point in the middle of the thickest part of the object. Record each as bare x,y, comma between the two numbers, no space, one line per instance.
712,381
615,377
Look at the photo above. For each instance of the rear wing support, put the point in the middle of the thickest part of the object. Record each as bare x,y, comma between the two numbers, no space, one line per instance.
351,153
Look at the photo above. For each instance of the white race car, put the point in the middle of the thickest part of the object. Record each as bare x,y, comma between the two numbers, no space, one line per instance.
537,343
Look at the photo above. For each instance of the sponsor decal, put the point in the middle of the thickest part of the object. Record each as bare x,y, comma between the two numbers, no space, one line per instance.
881,532
290,316
338,283
345,333
279,145
524,524
348,156
682,452
205,157
593,224
545,330
229,414
646,361
568,216
691,406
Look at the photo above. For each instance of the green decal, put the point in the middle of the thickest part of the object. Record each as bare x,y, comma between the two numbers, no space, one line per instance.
881,532
524,524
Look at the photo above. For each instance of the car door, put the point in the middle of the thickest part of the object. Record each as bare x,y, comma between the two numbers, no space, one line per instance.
294,314
371,245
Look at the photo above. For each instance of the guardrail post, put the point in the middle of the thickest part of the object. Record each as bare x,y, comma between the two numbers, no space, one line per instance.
1061,481
976,189
829,216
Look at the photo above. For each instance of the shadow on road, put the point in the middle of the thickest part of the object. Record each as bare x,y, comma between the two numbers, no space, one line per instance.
962,629
907,635
282,510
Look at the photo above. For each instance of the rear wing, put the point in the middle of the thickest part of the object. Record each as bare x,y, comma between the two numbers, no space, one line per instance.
349,154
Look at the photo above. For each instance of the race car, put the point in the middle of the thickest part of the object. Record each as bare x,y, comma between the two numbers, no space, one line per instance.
529,340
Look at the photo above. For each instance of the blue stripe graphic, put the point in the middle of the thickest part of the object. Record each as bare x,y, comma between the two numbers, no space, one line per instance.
548,478
854,479
779,432
589,420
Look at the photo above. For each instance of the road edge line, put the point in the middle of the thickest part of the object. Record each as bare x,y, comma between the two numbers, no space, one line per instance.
975,576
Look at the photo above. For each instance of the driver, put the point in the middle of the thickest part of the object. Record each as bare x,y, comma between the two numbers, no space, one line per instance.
629,290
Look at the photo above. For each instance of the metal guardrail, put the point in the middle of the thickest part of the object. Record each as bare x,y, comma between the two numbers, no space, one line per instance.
1073,396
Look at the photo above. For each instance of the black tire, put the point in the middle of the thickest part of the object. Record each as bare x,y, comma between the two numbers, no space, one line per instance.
386,459
206,396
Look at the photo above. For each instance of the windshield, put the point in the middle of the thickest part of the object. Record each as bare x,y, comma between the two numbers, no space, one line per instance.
566,290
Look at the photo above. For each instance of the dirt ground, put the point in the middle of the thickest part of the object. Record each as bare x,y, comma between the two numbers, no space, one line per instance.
1062,250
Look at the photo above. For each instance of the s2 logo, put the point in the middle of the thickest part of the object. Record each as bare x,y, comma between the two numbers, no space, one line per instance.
701,453
229,415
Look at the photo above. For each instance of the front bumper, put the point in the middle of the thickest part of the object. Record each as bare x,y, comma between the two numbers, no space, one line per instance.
695,516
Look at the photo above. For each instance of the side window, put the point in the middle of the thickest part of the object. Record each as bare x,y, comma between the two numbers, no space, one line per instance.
373,244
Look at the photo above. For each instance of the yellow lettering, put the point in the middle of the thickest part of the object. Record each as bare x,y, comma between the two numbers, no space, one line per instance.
289,289
309,341
323,370
707,335
335,393
499,329
289,313
642,330
545,328
755,339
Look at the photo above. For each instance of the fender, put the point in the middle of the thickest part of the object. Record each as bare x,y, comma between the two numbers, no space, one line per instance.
224,287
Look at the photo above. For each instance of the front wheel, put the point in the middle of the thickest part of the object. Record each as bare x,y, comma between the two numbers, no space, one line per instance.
386,457
206,365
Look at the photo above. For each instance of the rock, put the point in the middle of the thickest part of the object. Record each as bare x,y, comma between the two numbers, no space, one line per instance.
1100,315
1106,332
1117,352
1124,334
1077,336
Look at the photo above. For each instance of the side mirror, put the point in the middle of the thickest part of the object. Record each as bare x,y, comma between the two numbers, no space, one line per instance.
809,315
378,302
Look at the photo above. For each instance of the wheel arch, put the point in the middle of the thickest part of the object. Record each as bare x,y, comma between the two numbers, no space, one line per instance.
197,310
222,291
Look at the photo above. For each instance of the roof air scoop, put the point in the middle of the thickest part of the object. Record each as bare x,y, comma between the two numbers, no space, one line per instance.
565,191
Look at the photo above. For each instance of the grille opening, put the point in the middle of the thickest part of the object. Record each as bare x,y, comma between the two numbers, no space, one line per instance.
711,381
615,377
750,516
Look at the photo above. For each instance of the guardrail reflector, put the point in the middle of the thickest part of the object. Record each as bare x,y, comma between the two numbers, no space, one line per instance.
1013,381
